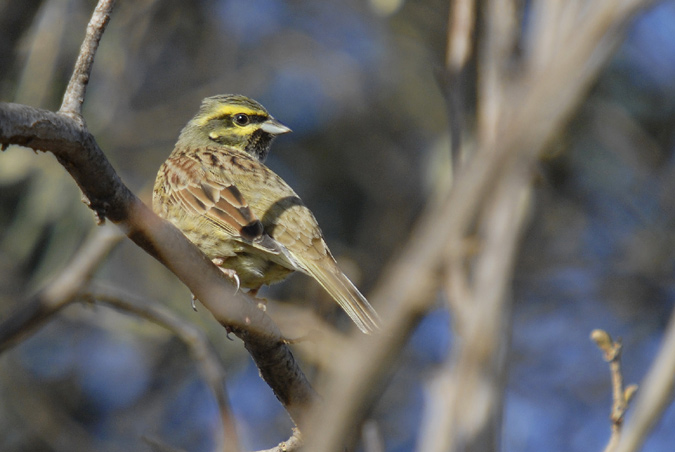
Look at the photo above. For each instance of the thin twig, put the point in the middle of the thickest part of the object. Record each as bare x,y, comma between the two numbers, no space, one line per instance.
77,87
620,396
656,394
198,344
62,289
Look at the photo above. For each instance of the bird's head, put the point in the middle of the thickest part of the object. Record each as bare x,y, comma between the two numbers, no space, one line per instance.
236,121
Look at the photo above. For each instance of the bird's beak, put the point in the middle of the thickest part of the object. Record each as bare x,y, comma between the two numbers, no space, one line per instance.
274,127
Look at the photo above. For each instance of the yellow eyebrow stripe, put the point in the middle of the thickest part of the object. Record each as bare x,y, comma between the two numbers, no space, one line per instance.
225,110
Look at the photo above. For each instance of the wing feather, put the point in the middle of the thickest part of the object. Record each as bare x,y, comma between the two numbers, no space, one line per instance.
217,199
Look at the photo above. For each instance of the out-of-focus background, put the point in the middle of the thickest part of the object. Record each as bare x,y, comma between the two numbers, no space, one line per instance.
361,85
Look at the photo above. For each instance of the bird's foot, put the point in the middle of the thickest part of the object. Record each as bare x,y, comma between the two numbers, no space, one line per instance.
232,274
192,300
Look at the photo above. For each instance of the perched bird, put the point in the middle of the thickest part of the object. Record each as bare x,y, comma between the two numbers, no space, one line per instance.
216,189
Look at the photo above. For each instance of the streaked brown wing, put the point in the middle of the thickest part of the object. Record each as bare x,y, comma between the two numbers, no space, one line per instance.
217,199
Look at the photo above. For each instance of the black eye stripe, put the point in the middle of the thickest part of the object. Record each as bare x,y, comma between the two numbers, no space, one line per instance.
253,119
257,119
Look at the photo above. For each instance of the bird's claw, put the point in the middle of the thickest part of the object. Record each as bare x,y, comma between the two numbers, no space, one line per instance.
228,272
235,276
232,274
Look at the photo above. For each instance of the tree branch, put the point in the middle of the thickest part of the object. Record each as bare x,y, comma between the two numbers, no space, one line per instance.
198,344
61,290
657,391
77,87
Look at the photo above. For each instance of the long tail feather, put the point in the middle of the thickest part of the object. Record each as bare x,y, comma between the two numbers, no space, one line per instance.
347,295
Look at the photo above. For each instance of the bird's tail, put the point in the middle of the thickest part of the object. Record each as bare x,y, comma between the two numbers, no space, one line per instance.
346,294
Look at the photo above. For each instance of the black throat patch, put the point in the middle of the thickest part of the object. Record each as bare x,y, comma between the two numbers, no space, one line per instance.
259,144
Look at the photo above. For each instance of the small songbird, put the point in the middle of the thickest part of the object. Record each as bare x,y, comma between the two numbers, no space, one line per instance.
216,189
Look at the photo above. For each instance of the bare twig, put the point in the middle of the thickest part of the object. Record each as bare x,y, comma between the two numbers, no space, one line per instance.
620,396
77,87
657,391
198,344
62,289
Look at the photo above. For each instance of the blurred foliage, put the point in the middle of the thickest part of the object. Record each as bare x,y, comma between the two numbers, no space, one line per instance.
358,82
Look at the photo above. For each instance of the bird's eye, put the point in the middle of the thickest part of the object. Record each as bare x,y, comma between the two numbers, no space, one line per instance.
241,119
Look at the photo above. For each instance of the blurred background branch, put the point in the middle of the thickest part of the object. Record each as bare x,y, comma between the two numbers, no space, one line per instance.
62,290
656,393
200,349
